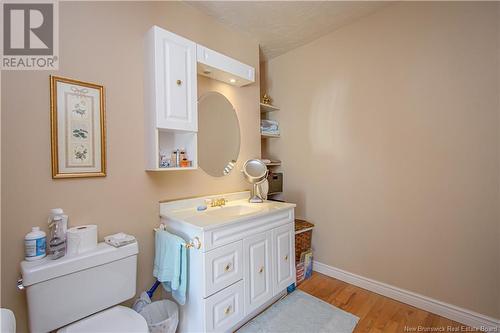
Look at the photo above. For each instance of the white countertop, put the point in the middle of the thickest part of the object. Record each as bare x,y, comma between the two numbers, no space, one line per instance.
237,209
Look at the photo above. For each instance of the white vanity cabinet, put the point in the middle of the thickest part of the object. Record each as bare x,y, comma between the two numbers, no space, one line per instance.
243,264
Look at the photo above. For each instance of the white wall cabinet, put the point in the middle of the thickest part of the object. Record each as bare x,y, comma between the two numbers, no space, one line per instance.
170,92
174,81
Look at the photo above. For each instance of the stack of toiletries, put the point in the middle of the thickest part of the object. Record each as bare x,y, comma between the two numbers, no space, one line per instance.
35,242
178,159
61,240
66,241
269,127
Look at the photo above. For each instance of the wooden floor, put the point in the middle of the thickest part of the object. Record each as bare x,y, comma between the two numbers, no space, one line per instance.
377,313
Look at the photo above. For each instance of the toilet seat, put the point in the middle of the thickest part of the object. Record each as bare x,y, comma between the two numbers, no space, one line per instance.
116,319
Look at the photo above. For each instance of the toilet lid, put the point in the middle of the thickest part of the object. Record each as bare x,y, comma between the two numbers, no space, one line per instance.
116,319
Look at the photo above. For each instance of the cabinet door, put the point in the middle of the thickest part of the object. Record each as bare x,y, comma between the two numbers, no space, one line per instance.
175,82
284,257
258,270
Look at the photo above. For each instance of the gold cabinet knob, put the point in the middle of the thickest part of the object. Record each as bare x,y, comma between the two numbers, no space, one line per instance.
227,268
179,82
286,257
261,269
227,310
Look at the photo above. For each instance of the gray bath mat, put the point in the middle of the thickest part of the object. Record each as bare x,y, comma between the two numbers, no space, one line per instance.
299,313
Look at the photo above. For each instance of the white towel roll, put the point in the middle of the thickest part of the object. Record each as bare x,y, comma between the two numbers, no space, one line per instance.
81,239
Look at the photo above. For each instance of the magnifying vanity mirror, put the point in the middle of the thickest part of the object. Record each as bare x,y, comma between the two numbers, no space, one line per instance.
255,172
218,134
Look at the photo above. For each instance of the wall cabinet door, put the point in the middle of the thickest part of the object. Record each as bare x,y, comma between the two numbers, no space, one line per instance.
258,270
175,81
284,257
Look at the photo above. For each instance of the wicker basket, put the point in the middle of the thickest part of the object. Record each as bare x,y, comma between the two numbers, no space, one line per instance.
303,235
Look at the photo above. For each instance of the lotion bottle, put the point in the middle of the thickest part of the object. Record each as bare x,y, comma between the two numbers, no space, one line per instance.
35,244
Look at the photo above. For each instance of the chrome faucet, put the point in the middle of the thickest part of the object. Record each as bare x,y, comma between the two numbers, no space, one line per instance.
218,202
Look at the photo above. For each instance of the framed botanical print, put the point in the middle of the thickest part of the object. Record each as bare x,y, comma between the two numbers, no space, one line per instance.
78,131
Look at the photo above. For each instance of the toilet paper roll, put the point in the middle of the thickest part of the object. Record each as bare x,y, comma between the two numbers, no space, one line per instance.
81,239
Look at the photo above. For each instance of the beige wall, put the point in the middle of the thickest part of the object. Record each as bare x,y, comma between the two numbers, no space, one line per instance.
103,43
390,144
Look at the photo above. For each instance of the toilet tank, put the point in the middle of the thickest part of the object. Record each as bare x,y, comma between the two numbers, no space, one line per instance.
65,290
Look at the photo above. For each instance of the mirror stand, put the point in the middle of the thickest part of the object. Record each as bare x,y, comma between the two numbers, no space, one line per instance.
255,196
255,172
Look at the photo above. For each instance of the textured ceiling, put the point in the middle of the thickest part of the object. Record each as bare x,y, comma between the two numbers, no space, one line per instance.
281,26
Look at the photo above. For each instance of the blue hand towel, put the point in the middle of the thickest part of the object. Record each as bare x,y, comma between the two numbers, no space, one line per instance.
170,266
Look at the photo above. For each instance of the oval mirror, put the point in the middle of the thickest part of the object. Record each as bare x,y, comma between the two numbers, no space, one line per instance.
218,134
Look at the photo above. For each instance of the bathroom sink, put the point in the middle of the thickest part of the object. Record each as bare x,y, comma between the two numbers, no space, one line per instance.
236,209
232,211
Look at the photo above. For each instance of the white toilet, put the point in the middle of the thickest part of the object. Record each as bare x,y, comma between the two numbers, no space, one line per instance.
80,293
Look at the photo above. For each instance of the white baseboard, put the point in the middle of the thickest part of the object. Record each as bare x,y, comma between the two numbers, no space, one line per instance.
443,309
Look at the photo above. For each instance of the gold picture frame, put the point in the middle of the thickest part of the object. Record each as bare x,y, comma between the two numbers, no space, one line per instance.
78,128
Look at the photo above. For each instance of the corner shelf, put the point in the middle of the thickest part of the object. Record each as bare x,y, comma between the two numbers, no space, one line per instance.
273,163
172,169
265,109
264,136
268,108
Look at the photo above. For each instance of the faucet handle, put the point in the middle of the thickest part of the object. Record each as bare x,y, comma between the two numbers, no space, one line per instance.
218,202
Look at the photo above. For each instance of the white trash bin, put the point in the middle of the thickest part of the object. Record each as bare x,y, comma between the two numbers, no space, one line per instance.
161,316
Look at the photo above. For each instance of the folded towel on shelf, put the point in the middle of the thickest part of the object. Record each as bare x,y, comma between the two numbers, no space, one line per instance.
269,128
119,239
269,125
170,265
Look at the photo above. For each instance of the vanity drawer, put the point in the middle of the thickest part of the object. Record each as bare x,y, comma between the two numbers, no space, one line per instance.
221,236
223,267
225,309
